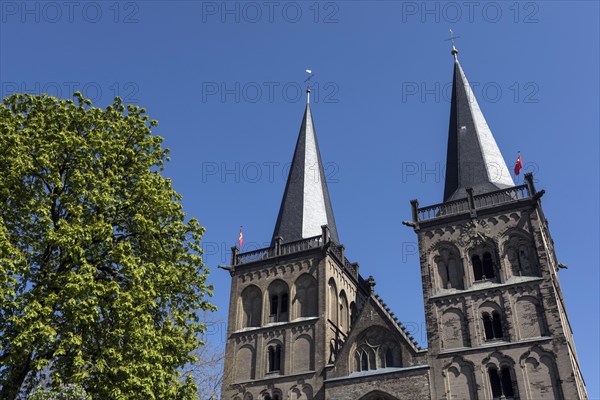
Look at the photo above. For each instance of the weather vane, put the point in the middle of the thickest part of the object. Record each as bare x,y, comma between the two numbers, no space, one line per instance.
452,38
307,80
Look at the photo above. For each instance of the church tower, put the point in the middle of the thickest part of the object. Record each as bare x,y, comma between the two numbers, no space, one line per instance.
291,304
496,321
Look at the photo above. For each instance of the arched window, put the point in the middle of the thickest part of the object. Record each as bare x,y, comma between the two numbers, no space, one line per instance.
497,325
492,325
484,264
364,362
488,266
501,383
389,358
477,267
487,326
274,358
495,383
364,358
251,299
507,383
278,295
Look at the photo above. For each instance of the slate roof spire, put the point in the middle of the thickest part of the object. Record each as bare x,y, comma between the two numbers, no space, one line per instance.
305,206
473,159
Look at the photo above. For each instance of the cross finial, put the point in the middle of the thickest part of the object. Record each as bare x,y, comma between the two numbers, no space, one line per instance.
454,50
307,80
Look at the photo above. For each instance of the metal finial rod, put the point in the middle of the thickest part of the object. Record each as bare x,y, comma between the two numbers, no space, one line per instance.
454,50
307,80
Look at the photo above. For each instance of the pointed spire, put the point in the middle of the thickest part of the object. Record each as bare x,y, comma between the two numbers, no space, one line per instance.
473,160
305,206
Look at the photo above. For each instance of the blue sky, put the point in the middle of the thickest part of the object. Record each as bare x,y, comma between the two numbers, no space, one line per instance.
225,81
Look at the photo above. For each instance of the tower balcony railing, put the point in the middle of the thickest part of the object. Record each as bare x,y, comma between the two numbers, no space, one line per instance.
472,202
279,249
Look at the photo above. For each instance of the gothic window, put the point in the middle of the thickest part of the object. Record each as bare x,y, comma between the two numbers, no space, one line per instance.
353,313
449,269
251,300
306,297
492,324
278,308
344,317
274,358
333,302
501,383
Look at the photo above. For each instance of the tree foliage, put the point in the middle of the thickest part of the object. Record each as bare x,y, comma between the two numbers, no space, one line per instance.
101,277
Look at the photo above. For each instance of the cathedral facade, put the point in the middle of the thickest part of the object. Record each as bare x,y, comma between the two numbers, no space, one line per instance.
304,324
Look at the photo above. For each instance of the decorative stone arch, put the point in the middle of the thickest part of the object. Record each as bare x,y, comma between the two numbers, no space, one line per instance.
250,307
271,394
301,392
483,258
447,266
529,317
305,296
459,378
277,301
378,395
245,362
519,253
303,354
540,374
455,333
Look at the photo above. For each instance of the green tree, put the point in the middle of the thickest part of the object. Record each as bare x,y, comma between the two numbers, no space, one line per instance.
101,277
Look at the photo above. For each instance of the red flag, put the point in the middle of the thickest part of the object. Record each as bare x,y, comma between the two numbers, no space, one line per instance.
241,238
518,164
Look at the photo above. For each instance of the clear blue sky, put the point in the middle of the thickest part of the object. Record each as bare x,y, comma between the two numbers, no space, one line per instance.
223,80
